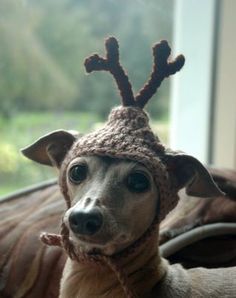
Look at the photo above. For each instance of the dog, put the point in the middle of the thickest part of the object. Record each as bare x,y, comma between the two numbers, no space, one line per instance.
113,203
119,182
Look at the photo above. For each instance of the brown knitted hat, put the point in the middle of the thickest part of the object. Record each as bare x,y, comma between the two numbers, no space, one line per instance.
127,134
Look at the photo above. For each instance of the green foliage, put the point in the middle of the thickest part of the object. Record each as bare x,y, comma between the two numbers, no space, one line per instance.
43,85
17,171
23,129
44,43
8,158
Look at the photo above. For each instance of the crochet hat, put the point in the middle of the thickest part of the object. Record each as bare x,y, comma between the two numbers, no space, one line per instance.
127,134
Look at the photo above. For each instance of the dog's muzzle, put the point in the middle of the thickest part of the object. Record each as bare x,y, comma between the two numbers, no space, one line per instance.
85,223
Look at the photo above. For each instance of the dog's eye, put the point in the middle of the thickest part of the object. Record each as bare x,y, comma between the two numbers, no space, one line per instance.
137,182
78,173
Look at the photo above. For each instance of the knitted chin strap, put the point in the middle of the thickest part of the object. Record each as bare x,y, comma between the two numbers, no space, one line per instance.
112,262
161,69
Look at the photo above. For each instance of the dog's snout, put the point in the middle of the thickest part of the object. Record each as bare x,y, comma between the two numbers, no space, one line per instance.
85,223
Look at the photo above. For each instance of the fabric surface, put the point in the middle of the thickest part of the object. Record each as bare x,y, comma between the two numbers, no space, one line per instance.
27,267
192,212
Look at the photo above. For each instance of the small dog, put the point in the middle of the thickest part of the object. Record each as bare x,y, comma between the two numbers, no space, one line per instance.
119,182
113,203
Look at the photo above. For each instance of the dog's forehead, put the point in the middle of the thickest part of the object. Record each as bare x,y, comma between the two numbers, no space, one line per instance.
105,161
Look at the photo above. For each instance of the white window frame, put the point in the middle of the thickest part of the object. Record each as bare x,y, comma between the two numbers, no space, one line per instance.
191,94
203,94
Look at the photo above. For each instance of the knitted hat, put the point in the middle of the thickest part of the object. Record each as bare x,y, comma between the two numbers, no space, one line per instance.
127,134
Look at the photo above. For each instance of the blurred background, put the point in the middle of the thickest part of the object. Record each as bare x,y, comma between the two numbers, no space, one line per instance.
43,85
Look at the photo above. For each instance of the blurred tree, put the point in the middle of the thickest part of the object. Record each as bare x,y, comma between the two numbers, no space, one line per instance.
44,43
43,85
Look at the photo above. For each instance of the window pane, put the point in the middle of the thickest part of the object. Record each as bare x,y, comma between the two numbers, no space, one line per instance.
43,86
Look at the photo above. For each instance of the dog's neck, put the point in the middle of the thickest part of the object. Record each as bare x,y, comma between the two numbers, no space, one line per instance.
144,268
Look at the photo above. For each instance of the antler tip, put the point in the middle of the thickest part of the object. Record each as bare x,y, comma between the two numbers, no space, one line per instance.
176,65
163,42
112,47
94,62
111,63
161,48
87,64
111,40
181,59
180,62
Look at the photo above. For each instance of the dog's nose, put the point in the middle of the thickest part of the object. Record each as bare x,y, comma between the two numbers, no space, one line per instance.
85,223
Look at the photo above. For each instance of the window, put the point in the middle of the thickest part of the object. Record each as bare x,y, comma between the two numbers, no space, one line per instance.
43,86
203,121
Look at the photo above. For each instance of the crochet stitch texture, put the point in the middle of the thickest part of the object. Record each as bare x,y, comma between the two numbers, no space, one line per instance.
127,134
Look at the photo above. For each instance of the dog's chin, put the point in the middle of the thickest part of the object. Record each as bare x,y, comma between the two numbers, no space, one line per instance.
105,247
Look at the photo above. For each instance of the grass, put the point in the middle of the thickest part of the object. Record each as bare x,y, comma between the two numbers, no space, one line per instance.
15,170
23,129
30,126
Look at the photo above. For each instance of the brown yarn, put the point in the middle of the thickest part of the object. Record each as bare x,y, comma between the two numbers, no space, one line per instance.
121,276
111,63
50,239
161,69
112,262
126,135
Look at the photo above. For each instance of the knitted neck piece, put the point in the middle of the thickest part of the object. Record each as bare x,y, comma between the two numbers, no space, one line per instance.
111,262
126,135
63,240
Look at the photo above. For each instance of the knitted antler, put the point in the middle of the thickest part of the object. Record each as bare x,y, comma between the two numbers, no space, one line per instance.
111,63
161,69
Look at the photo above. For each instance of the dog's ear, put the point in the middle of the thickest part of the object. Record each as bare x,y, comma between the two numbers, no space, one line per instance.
52,148
186,171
